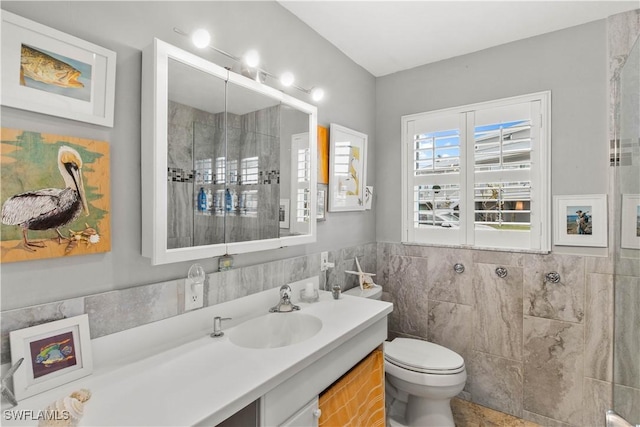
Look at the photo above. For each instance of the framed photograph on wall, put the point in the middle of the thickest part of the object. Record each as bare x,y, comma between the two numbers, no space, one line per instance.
54,353
630,238
321,214
51,72
580,220
283,213
347,169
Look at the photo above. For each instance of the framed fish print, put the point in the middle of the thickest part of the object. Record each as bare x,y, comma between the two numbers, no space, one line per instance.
630,238
50,72
347,169
53,354
54,196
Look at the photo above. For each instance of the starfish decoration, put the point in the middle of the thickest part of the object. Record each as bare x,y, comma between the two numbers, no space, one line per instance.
364,279
5,390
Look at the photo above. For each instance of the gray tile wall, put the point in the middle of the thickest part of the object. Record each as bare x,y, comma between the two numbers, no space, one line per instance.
537,350
115,311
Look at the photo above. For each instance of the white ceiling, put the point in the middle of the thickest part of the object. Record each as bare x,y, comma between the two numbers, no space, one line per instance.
389,36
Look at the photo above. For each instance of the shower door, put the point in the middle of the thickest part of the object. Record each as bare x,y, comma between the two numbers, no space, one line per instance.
626,366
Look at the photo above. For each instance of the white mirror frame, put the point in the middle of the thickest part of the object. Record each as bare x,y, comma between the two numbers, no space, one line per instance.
155,98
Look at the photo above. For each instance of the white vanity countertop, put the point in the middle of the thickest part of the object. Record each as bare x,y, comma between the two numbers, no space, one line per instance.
158,375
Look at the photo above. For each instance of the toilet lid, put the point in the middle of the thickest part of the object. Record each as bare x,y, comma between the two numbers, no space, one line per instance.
423,356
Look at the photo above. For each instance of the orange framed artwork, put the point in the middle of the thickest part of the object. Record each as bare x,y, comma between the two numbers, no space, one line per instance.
323,155
55,196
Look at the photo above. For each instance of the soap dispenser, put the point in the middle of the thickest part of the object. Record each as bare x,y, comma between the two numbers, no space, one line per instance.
227,201
202,200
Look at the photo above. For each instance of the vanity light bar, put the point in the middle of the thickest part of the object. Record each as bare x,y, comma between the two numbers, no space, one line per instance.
200,38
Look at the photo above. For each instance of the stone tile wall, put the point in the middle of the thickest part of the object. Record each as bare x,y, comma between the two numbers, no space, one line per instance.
537,350
115,311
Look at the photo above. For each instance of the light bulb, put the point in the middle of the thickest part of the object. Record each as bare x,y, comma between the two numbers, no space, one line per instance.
317,93
252,59
200,38
287,78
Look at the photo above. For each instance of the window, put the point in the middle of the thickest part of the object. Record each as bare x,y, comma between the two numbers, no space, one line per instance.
249,170
300,184
478,175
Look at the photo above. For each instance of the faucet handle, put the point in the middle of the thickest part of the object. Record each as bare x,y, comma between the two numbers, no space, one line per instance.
217,326
285,291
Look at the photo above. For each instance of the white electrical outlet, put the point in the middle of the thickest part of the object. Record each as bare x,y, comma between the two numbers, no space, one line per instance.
193,295
324,261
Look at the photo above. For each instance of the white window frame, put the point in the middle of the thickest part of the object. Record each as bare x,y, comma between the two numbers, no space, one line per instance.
539,237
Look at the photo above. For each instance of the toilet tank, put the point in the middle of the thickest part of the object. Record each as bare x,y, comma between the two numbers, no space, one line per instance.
373,293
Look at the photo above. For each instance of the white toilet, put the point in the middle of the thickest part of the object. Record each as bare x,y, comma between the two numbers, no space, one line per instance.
422,377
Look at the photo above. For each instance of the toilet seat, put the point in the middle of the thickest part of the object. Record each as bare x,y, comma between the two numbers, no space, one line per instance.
423,357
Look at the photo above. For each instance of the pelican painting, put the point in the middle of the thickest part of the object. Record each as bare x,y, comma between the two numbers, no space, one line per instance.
49,208
57,195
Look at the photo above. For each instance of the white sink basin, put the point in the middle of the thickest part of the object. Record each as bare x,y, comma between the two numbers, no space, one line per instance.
275,330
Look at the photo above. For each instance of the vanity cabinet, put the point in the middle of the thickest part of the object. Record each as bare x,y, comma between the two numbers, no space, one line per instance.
228,163
308,416
282,403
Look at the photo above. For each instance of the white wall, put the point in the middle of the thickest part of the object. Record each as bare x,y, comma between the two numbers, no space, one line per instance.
571,63
127,27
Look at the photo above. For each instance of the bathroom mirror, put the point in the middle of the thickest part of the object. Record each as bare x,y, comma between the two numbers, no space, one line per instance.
221,153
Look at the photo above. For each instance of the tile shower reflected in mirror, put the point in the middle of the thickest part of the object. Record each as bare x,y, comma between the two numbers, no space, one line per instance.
230,162
626,366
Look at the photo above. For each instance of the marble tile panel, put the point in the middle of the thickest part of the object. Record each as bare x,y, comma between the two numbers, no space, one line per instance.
545,421
596,401
627,331
116,311
252,279
595,264
178,242
268,121
383,254
370,259
233,121
408,288
249,148
301,267
352,252
413,250
180,209
450,325
223,286
446,284
21,318
273,275
498,311
553,369
248,122
598,324
180,147
628,266
496,382
626,402
268,150
560,301
204,138
504,259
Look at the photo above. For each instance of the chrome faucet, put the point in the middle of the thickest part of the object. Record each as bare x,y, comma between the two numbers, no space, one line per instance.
285,305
